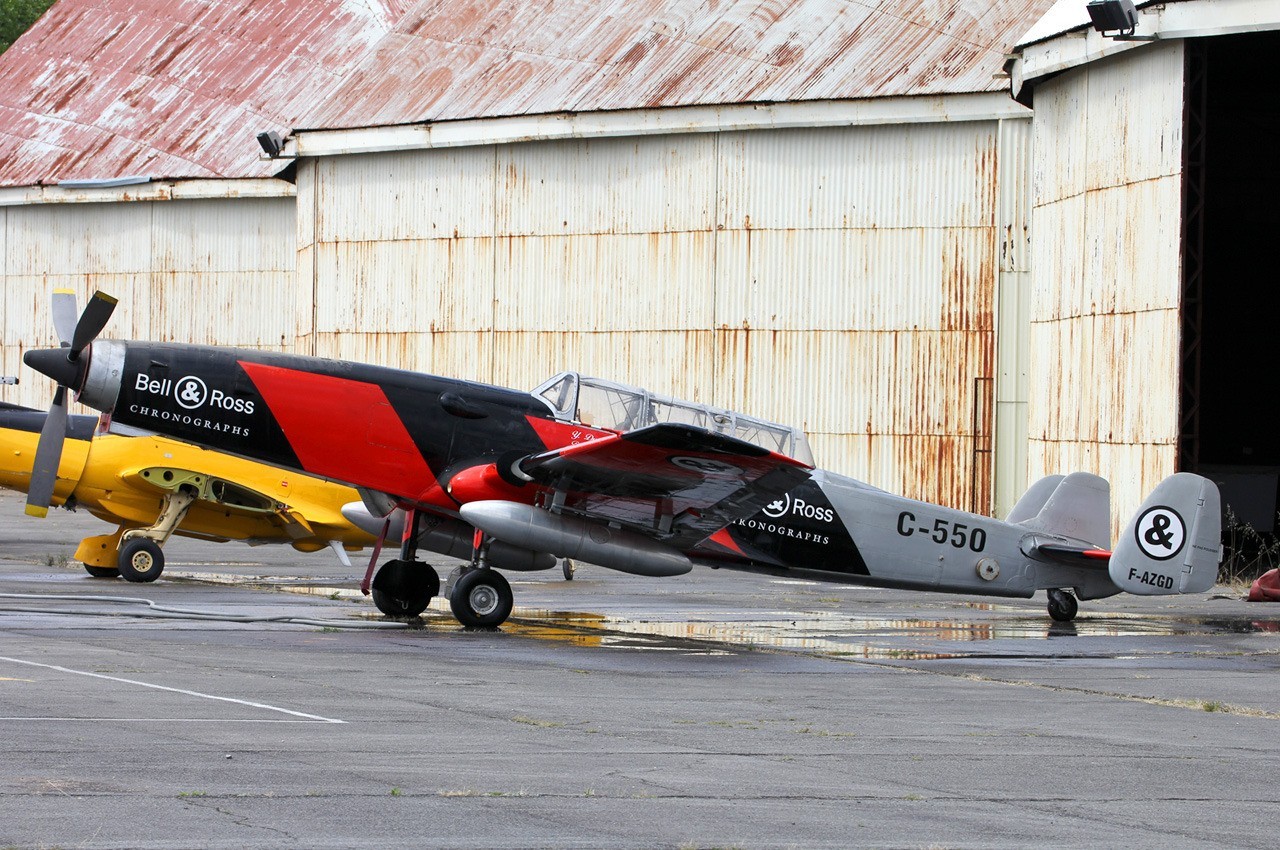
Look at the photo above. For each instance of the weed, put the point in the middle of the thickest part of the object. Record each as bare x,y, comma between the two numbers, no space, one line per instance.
59,560
1247,552
1213,705
335,596
533,721
396,792
191,793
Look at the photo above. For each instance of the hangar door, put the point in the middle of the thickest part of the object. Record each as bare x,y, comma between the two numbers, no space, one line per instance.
1230,417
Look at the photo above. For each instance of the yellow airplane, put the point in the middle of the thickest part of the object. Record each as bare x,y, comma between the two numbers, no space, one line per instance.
151,487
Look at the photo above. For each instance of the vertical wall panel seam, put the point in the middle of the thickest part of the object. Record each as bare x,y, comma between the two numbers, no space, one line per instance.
715,262
315,258
493,273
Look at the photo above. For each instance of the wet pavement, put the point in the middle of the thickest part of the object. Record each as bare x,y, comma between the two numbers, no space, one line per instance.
251,697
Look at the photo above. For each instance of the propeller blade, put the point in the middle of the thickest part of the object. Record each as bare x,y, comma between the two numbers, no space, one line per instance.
44,472
94,318
65,315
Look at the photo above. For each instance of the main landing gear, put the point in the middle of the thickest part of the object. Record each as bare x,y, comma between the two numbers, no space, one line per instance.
404,586
479,597
1062,605
135,554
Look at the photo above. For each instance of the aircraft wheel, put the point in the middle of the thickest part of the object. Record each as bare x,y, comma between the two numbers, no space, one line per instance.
102,572
404,588
1062,605
481,599
568,567
141,559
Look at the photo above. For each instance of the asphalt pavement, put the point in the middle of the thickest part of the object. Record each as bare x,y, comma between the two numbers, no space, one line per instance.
253,698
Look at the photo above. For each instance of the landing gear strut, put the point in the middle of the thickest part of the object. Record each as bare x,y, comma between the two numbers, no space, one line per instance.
405,586
141,558
1062,605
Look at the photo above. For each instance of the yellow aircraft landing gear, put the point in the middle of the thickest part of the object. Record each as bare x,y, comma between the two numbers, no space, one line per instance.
141,558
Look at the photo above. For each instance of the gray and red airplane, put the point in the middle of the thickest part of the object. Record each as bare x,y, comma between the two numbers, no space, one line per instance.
610,475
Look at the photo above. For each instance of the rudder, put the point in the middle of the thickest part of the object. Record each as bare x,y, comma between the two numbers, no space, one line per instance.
1173,543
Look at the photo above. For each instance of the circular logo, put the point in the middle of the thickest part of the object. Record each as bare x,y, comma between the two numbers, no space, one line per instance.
778,508
1160,533
190,392
706,465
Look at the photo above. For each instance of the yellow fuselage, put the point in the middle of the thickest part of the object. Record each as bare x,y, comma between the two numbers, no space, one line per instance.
103,476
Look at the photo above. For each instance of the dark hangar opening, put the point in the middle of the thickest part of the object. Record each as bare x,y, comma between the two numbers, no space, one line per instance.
1231,302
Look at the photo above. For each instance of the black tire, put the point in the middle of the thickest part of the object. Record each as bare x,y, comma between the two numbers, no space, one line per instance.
141,560
102,572
481,599
1063,606
568,568
404,588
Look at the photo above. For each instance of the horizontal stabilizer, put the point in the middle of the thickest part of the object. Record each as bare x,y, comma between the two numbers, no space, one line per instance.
1080,555
1173,543
1079,507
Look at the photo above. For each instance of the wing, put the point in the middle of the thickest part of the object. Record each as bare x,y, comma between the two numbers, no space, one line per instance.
674,482
227,498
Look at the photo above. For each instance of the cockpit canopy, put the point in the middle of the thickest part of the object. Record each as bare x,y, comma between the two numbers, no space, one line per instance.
598,403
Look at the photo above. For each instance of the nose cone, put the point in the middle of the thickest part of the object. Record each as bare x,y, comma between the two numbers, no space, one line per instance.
54,362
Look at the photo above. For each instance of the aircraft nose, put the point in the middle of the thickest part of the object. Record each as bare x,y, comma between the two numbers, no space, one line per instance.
54,363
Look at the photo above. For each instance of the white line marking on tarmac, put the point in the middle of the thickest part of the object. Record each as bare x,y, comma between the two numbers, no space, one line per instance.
153,720
310,717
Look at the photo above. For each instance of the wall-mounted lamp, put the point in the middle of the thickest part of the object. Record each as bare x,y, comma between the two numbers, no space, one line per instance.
1116,19
271,143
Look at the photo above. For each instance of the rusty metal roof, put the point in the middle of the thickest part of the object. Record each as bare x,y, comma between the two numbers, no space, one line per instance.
179,88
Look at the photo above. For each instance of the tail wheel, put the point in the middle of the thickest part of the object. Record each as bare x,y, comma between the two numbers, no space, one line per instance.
481,599
1062,605
141,559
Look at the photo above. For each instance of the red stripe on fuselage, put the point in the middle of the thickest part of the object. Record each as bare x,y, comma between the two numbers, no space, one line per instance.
556,435
343,429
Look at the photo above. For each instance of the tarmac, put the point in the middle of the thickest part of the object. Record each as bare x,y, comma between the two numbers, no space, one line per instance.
711,710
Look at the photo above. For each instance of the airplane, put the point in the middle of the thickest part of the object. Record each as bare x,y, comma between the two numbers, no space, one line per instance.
150,488
615,476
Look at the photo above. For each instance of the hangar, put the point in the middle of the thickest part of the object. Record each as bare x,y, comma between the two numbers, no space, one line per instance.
827,214
1150,321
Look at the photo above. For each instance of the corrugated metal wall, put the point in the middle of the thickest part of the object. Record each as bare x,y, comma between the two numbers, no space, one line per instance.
838,279
1107,246
205,271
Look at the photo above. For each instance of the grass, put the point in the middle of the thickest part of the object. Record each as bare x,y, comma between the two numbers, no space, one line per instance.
1247,552
533,721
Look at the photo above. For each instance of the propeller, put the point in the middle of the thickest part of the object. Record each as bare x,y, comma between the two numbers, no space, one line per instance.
75,335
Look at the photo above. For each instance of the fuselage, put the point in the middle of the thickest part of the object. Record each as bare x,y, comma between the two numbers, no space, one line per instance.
408,434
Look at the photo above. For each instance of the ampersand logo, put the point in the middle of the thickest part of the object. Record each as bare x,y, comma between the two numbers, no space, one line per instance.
706,465
1160,532
778,508
190,392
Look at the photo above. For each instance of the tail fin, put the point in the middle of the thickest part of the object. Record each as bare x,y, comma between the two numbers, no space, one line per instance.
1078,506
1173,544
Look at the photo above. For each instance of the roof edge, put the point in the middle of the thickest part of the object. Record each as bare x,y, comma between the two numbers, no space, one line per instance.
1081,44
155,190
980,106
